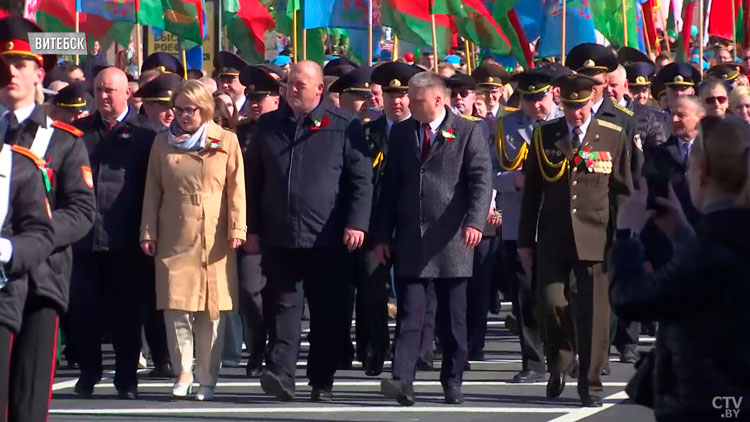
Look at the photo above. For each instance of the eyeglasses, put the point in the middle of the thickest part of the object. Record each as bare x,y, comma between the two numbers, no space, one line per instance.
720,99
187,111
463,93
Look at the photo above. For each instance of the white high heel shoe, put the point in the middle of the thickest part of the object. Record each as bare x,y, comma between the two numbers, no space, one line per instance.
182,389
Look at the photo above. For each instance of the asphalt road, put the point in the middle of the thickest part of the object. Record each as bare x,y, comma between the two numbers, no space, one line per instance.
357,397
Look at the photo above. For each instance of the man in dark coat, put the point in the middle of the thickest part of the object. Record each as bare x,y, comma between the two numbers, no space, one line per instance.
309,184
230,67
111,276
71,198
435,199
574,174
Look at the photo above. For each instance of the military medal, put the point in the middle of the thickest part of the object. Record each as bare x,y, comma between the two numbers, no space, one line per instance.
596,161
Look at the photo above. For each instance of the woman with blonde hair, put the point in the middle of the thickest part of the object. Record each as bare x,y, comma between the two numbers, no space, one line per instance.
193,219
739,103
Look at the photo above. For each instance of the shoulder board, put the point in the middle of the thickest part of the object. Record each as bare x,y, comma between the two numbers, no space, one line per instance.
68,128
610,125
509,109
623,109
28,154
243,122
470,118
339,113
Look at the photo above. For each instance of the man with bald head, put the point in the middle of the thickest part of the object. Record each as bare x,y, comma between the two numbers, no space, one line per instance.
112,280
309,193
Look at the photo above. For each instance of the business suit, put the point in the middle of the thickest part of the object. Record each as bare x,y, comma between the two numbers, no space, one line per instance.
517,130
424,206
571,235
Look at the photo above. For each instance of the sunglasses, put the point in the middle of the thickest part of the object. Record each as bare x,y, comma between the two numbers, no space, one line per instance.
720,99
463,93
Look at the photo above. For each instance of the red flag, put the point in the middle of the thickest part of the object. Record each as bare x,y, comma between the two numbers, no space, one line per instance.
650,18
516,23
686,27
720,19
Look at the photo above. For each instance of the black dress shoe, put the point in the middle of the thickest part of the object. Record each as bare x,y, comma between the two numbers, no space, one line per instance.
478,356
127,394
254,371
84,387
511,323
528,376
467,366
425,366
606,370
273,385
161,371
495,304
345,365
322,395
406,395
390,388
453,395
628,356
555,385
591,401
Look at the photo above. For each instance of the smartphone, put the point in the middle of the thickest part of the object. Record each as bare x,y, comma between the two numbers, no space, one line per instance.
658,170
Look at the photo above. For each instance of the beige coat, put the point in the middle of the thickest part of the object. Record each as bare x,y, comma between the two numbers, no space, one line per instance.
194,203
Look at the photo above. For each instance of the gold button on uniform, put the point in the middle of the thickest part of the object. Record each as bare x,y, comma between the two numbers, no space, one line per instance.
574,197
575,210
575,182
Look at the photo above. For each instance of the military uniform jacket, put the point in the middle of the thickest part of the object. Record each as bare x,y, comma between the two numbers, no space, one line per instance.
245,129
569,219
308,181
651,125
623,117
71,198
427,203
517,129
28,227
119,160
376,134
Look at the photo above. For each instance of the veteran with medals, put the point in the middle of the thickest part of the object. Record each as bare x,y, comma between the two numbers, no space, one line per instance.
577,170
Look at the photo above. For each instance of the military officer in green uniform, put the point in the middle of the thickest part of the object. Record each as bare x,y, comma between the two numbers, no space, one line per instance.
576,172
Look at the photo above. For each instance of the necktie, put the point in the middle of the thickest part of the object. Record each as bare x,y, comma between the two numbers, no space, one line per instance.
425,141
111,124
575,140
490,116
685,152
11,135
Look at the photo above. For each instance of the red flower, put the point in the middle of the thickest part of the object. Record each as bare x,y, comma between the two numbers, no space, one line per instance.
321,123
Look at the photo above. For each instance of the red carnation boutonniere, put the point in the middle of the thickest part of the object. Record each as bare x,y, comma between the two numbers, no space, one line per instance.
448,135
125,135
317,124
213,145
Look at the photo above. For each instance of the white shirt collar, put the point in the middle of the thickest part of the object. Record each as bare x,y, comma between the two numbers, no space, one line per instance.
24,113
623,102
596,106
435,124
686,141
495,110
241,103
584,127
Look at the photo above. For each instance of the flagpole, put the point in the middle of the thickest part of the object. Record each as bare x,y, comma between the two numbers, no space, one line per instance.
468,57
304,43
624,25
78,25
734,31
648,42
564,18
184,60
395,48
369,33
700,35
294,34
434,41
666,36
139,44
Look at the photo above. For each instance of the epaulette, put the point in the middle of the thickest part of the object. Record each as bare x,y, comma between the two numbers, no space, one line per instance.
471,118
68,128
624,109
610,125
508,108
38,162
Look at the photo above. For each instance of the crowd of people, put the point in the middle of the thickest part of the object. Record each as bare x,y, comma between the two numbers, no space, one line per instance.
200,212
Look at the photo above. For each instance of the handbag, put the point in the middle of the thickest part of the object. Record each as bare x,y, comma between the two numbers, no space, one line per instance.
640,388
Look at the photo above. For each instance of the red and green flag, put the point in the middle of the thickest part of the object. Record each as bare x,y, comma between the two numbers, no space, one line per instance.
247,22
60,16
608,19
505,15
683,44
475,22
180,17
410,20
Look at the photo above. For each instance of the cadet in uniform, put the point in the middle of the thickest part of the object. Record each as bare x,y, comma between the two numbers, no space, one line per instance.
513,144
264,97
164,63
230,66
575,171
491,79
727,72
372,277
157,96
679,79
70,104
354,91
67,170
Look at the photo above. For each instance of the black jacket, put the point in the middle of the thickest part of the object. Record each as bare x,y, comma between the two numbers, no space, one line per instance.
700,299
623,117
71,200
119,159
306,183
28,227
651,125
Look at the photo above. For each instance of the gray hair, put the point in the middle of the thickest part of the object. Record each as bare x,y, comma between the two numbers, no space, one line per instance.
696,102
430,80
619,71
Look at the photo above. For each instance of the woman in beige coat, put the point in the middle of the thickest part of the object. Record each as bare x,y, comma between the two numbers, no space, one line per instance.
193,218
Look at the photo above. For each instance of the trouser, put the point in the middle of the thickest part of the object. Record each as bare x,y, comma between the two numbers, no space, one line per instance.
32,367
427,337
523,292
325,274
347,351
450,321
478,290
7,338
153,319
233,335
623,334
372,310
195,331
251,284
108,285
588,314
